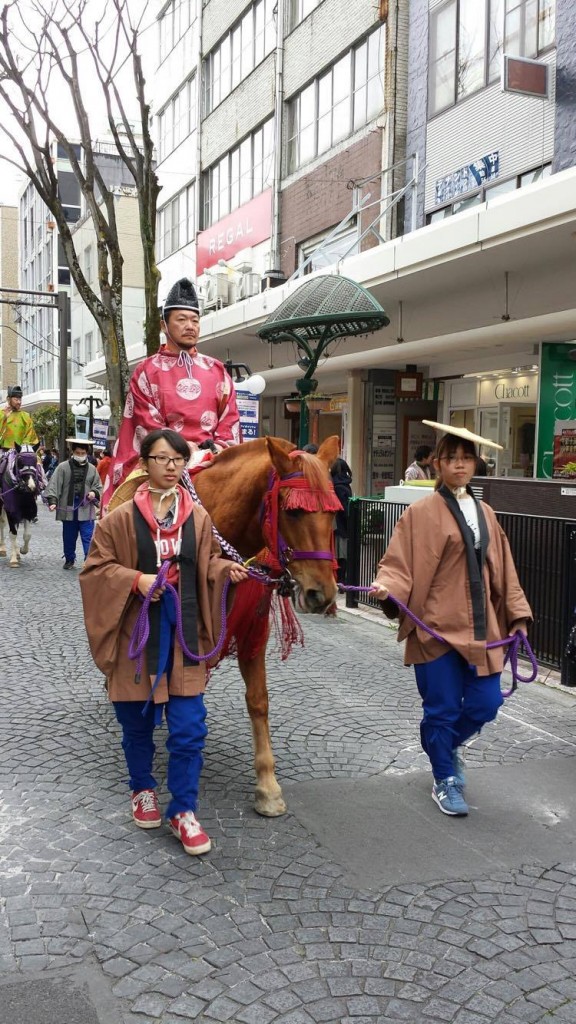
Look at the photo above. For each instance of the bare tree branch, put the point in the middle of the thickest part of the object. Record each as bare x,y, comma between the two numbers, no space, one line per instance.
59,46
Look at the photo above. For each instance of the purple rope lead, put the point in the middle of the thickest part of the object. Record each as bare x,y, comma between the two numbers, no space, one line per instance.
141,630
515,643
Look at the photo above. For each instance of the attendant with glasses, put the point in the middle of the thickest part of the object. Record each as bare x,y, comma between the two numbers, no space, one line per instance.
449,561
160,524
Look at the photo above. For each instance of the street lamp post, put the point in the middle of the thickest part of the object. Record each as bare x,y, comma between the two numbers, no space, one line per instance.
85,407
322,311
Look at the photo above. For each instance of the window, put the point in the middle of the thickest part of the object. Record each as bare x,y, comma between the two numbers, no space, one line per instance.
175,20
88,263
69,195
348,95
489,192
251,39
177,119
76,368
242,173
300,9
469,37
343,244
176,222
88,347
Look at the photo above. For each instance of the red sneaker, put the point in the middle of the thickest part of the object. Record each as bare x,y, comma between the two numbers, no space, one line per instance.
145,810
190,833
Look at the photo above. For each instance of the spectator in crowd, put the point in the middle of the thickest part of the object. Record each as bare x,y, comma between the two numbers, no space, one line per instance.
342,479
73,492
421,468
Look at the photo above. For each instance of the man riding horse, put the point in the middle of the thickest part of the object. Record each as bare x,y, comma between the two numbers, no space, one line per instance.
177,388
16,425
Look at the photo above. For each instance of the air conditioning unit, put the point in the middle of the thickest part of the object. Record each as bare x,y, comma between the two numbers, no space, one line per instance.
215,290
249,285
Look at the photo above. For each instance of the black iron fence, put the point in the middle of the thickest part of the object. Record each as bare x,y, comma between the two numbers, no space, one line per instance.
544,551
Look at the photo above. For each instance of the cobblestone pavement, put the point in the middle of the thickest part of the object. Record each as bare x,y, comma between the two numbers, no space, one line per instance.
267,928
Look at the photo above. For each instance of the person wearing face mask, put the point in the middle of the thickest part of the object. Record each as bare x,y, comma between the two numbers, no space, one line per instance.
73,493
178,388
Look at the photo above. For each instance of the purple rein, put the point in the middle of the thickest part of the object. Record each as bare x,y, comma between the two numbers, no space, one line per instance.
141,630
516,643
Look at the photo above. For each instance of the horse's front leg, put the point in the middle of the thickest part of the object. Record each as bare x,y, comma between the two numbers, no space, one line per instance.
268,798
14,553
26,535
2,525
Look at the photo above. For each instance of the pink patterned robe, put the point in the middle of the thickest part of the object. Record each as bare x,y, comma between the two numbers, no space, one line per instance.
194,396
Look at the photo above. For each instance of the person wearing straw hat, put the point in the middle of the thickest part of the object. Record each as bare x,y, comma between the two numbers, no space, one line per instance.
155,527
450,563
177,388
73,492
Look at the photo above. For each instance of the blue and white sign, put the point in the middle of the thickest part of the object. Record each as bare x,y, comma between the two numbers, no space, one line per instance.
467,178
249,409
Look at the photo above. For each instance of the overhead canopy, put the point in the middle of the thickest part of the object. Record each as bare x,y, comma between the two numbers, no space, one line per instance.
325,308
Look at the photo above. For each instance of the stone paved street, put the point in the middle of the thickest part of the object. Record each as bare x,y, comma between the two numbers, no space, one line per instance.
362,905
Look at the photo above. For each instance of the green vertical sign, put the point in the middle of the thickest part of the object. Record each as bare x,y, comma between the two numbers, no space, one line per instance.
556,455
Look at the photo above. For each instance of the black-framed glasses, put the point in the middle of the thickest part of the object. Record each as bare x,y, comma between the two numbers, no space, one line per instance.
164,460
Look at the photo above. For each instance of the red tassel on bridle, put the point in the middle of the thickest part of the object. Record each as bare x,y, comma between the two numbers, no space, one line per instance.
298,494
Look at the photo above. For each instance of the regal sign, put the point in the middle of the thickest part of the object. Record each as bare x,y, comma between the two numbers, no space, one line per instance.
246,226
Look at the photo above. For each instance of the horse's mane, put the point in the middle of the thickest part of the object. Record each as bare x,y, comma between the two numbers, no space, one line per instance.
313,469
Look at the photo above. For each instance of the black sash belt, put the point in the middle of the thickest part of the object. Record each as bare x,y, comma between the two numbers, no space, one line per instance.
147,559
475,559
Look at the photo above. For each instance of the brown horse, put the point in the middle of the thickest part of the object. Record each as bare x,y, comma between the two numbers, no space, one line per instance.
233,489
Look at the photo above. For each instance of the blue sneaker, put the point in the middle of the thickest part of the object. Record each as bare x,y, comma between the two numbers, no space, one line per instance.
459,765
447,793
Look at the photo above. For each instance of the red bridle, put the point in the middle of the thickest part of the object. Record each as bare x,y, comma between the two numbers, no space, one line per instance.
301,495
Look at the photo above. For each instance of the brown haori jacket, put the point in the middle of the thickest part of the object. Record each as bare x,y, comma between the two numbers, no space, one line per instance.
425,567
111,609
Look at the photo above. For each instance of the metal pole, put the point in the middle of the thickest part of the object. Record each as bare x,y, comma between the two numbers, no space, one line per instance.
91,419
63,327
414,209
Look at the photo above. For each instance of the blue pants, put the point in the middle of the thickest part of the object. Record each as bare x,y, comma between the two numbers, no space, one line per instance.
186,721
70,530
456,703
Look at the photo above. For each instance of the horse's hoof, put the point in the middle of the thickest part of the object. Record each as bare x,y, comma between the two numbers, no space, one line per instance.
14,565
24,550
2,552
269,806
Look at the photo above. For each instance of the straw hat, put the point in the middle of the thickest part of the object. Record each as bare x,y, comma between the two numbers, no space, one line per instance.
127,489
464,433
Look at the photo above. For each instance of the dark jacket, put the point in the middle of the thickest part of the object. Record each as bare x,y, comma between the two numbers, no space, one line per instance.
342,479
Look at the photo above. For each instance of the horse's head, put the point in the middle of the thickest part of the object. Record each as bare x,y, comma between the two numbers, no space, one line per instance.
24,468
300,509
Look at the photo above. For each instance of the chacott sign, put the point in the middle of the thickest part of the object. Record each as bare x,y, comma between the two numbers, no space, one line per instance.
504,391
509,389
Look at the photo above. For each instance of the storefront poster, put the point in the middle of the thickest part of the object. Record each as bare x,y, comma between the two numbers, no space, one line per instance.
564,460
249,410
556,412
384,437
